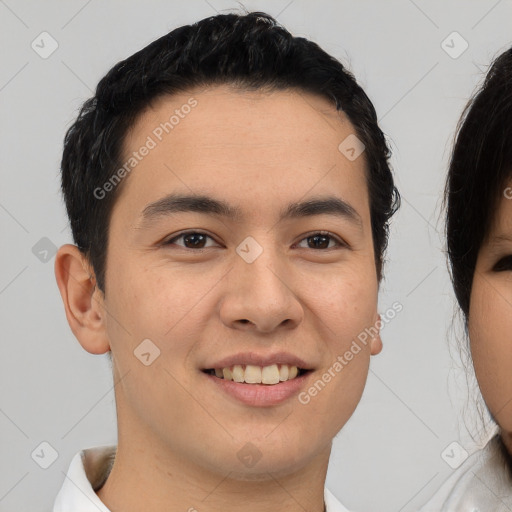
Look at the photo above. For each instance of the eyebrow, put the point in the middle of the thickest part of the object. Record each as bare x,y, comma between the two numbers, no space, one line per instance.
500,239
177,203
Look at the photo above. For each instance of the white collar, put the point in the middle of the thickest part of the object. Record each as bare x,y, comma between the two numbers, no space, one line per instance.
482,482
86,474
90,468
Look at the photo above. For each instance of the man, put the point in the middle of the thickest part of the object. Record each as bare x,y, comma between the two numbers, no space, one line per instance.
228,190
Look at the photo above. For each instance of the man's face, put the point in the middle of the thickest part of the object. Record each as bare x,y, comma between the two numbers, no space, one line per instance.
261,288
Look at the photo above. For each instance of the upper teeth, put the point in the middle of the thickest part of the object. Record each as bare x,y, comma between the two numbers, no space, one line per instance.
251,374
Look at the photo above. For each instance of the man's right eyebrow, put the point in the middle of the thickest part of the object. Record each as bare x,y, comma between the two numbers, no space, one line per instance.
178,203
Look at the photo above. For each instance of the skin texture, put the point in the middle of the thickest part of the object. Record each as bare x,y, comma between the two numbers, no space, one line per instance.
490,319
179,436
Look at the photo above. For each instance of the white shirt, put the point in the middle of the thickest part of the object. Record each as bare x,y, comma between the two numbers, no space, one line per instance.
88,472
480,484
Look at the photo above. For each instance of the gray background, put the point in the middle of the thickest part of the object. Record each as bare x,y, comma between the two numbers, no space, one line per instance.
388,457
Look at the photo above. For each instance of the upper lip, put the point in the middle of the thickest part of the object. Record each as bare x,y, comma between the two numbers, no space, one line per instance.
260,360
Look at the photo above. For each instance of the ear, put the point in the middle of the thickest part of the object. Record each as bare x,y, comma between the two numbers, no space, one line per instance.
376,342
83,300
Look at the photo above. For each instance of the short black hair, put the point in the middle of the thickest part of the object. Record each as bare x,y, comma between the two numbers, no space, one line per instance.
250,51
480,165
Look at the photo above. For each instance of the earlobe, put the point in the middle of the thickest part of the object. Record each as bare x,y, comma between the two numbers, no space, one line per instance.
83,301
376,342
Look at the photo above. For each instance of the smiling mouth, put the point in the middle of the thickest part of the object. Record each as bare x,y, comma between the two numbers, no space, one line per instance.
251,374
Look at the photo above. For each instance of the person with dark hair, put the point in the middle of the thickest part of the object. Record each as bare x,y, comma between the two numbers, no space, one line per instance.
478,200
229,192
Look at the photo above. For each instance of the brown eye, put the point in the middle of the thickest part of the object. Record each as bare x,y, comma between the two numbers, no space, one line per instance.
191,240
321,241
503,264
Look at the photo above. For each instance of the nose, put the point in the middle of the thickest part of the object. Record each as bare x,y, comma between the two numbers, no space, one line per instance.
261,296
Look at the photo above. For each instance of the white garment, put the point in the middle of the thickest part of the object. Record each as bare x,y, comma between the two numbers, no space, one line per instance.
88,472
480,484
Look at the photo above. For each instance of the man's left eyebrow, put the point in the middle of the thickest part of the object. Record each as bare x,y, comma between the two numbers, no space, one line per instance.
330,205
176,203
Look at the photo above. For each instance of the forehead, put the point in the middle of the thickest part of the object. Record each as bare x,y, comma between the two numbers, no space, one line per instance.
249,146
500,225
225,115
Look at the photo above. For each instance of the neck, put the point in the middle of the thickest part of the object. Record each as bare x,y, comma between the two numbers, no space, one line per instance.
173,485
154,478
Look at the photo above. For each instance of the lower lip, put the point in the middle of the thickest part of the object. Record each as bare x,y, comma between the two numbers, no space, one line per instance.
261,395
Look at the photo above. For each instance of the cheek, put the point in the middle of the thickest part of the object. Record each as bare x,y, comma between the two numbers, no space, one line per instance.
142,308
153,300
490,332
349,303
347,311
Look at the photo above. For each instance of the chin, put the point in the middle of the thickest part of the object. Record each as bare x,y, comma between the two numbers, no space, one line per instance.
253,464
267,470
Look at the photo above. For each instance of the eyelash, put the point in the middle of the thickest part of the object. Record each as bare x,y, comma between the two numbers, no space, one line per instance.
340,242
504,264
